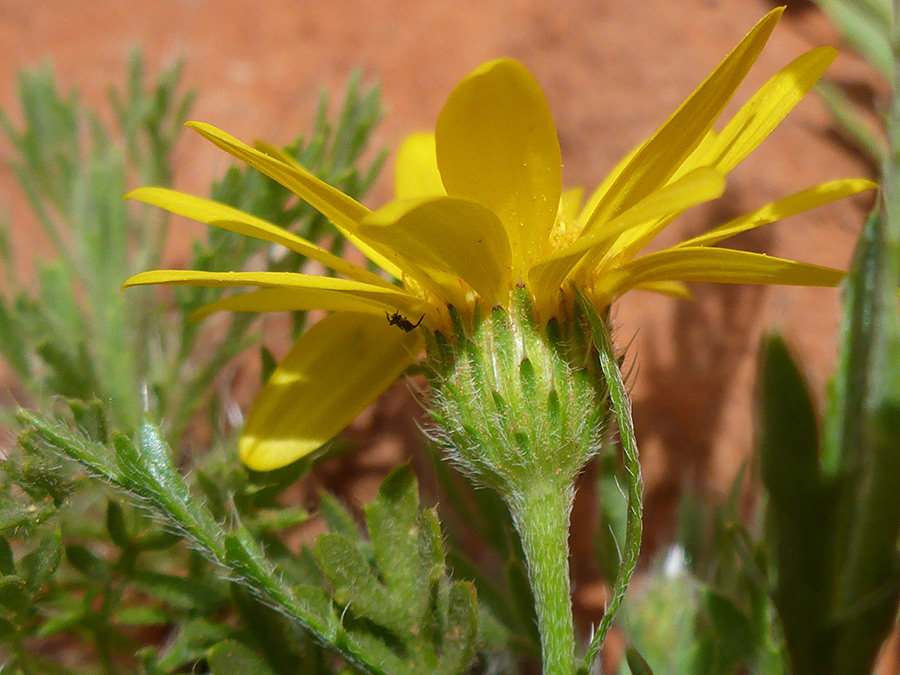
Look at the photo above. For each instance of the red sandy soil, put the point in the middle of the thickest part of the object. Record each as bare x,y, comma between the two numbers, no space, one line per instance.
612,70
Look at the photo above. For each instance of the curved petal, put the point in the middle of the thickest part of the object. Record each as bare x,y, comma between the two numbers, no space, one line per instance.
698,186
675,289
456,236
228,218
336,369
299,300
392,297
659,158
716,265
783,208
342,210
497,145
416,172
767,108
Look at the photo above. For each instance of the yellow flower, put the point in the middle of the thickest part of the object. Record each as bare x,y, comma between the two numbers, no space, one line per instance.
479,211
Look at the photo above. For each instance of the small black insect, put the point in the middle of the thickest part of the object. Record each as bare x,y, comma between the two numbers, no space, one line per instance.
404,324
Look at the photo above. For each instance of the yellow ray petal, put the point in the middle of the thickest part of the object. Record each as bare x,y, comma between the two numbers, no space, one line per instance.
570,204
783,208
716,265
228,218
391,296
659,158
299,300
676,289
767,108
345,212
597,195
416,172
497,145
459,237
336,369
699,186
277,153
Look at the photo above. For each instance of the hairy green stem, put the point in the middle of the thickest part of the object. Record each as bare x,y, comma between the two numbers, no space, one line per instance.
621,404
541,515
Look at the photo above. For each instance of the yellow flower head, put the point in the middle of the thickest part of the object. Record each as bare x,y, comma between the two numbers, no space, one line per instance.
480,211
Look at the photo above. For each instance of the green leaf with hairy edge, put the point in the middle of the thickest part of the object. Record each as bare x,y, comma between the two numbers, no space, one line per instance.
621,405
15,516
431,545
43,432
861,449
307,604
355,583
800,506
392,519
337,517
458,643
614,513
231,657
90,417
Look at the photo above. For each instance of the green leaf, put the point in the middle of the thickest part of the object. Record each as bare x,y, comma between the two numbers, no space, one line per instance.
355,583
279,640
864,27
337,517
7,564
14,592
458,644
116,525
392,519
735,632
38,566
192,642
800,506
636,663
849,117
862,454
90,417
187,593
230,657
141,616
275,520
86,562
269,364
